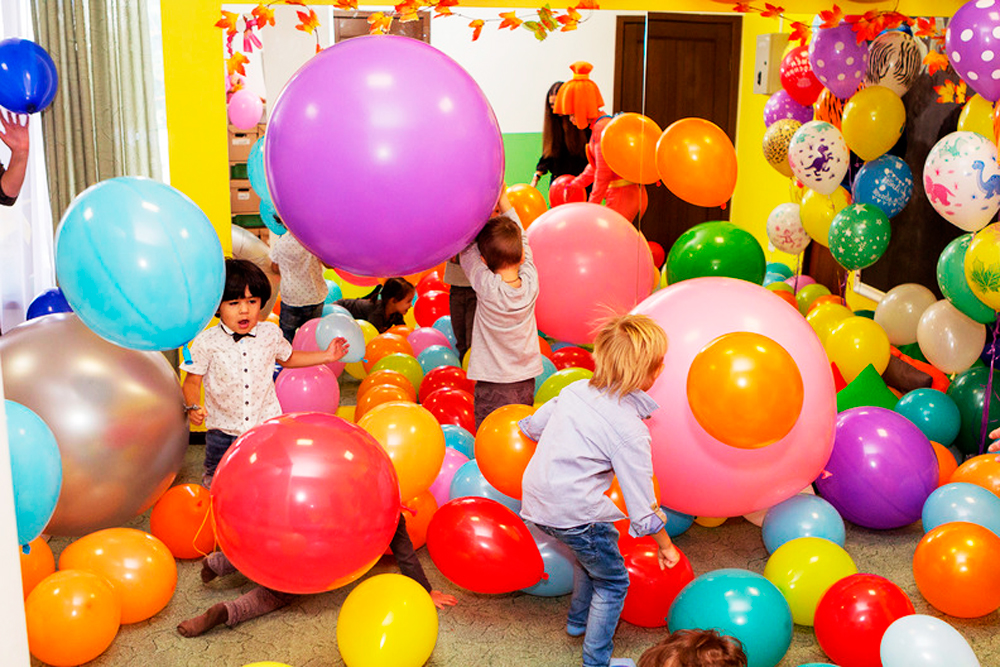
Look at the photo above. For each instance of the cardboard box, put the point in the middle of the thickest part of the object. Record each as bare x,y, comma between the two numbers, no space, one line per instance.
242,198
240,143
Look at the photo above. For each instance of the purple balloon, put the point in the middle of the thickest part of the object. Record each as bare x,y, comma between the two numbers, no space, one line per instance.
837,59
882,469
781,105
383,156
972,43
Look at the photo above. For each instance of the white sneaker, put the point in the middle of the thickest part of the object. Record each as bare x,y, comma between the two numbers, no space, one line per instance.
622,662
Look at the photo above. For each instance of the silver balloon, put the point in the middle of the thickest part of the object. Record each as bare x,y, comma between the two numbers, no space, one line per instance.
117,415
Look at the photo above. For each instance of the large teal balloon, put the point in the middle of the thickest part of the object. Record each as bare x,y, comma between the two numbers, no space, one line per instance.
934,413
36,470
968,390
716,249
741,604
859,235
955,286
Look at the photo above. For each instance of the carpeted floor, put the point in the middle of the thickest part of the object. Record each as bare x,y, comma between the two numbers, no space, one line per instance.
482,630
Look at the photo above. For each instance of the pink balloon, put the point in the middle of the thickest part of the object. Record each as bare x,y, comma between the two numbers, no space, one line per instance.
698,474
305,336
245,109
424,337
309,389
592,263
441,488
798,282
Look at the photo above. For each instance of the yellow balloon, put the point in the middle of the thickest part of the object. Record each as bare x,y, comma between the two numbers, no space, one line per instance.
873,121
710,521
349,290
413,439
982,265
817,212
465,360
356,369
855,343
796,190
826,317
803,570
977,116
388,620
346,412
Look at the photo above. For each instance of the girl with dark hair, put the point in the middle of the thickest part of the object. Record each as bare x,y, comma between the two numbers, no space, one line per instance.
564,145
385,306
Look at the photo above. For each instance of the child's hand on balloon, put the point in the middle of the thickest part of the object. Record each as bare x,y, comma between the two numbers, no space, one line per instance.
337,348
995,445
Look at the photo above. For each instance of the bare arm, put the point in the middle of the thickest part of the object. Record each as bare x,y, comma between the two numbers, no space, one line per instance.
192,395
334,352
15,135
666,553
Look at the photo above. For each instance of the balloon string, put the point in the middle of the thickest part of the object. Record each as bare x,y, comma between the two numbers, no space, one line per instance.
842,283
989,389
204,520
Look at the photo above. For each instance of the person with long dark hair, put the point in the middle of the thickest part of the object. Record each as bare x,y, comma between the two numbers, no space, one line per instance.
564,145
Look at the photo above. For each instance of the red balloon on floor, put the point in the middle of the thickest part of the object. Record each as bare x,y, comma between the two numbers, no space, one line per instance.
452,406
651,590
451,377
572,357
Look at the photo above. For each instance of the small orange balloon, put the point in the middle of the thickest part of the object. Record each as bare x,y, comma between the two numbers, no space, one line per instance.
380,394
947,465
697,162
180,520
502,450
826,298
400,330
383,345
745,390
37,564
957,568
139,567
527,201
787,296
982,470
544,347
423,506
413,438
386,376
615,493
72,617
628,145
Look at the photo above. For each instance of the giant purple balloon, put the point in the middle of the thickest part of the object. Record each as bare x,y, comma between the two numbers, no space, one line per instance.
972,44
882,469
838,60
383,156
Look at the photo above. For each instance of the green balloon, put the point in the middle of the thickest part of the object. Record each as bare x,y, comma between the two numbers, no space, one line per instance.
401,363
867,389
716,249
968,390
955,286
859,235
913,351
555,382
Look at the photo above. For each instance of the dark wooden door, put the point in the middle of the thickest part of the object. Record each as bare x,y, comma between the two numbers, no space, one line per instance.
688,66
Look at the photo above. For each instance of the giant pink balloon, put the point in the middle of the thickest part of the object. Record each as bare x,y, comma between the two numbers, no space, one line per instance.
592,263
383,156
698,474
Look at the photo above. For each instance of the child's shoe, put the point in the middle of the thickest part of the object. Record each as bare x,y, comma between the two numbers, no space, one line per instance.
575,630
622,662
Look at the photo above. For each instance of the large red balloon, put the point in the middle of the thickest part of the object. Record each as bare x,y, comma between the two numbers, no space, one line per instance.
451,377
572,357
452,406
651,590
853,615
484,547
305,502
430,306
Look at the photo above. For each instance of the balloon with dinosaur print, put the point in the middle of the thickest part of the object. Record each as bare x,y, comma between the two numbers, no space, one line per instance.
818,156
962,180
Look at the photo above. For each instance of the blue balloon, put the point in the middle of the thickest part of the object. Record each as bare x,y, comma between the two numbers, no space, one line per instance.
139,263
934,412
804,515
548,368
772,278
28,77
469,481
459,439
558,560
337,324
48,302
886,182
333,292
36,468
435,356
960,501
741,604
255,170
780,268
443,324
331,308
677,522
558,345
269,216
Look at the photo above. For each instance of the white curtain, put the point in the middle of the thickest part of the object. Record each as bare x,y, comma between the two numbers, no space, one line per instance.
27,266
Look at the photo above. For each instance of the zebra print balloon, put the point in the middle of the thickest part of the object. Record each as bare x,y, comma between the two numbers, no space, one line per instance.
894,60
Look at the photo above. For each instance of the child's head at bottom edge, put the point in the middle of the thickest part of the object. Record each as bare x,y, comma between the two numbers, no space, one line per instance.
628,354
695,648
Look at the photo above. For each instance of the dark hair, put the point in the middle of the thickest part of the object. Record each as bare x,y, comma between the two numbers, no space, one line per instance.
559,135
393,289
695,648
241,274
500,243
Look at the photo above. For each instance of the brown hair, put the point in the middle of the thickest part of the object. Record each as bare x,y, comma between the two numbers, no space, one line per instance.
559,135
500,243
627,351
695,648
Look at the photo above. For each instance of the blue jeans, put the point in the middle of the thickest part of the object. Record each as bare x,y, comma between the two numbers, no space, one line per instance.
216,444
600,582
292,317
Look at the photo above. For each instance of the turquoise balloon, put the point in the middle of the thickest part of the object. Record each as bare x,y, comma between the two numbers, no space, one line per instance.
548,368
435,356
780,268
36,470
859,235
968,390
269,216
960,501
558,561
459,439
555,382
741,604
443,324
802,515
333,292
469,481
934,413
954,284
140,263
716,249
255,170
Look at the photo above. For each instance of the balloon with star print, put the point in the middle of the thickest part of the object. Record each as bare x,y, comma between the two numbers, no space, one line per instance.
962,180
818,156
887,182
859,235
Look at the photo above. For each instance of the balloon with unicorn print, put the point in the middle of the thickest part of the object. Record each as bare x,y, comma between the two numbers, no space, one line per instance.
818,156
785,230
962,180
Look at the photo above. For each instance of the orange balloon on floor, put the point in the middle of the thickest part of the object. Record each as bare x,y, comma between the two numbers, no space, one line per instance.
139,567
745,390
502,450
383,345
527,201
957,569
615,493
400,330
180,520
72,617
378,395
424,506
414,441
388,377
982,470
697,162
628,145
947,465
37,564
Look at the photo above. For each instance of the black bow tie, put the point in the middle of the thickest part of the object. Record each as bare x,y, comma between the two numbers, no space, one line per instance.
238,336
